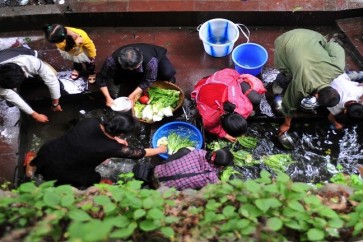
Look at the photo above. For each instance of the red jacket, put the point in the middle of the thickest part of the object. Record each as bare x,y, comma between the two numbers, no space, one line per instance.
211,92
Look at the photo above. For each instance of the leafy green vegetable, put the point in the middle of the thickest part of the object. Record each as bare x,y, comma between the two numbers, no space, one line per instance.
247,142
163,97
138,107
227,173
278,162
175,142
243,158
349,180
161,104
217,144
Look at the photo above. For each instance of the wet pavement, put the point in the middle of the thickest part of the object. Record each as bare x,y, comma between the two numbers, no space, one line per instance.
185,50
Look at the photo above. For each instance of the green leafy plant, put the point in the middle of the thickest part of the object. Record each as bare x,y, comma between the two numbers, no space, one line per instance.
271,208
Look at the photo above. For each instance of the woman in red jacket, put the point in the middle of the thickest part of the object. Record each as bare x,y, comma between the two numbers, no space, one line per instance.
225,99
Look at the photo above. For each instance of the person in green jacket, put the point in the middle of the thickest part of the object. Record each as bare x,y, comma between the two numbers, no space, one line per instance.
308,63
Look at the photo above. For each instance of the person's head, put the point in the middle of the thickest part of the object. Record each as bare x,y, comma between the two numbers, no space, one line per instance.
130,58
11,76
55,33
119,124
328,97
355,112
221,157
233,123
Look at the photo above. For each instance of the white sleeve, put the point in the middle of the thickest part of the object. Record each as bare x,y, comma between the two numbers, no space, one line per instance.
14,98
34,66
48,75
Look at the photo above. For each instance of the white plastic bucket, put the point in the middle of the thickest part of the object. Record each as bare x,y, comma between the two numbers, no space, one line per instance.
219,35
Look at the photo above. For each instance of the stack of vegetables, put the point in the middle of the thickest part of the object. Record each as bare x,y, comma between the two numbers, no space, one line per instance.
175,142
242,156
156,104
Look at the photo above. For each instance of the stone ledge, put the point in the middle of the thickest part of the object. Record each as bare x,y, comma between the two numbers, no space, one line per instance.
120,13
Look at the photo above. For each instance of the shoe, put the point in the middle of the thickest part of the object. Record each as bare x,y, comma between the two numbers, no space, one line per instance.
74,75
29,169
106,181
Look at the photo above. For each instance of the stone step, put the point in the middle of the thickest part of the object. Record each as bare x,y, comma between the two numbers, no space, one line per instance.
353,31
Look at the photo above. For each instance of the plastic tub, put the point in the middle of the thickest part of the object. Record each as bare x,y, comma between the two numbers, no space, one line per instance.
181,128
218,36
249,58
121,104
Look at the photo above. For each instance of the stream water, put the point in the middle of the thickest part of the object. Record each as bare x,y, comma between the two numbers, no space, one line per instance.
318,148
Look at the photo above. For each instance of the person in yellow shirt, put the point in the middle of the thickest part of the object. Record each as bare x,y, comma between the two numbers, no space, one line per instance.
74,45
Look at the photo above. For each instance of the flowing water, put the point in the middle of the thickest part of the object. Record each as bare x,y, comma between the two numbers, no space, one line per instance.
318,148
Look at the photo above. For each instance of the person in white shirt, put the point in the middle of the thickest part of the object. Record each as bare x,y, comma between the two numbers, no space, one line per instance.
351,100
18,64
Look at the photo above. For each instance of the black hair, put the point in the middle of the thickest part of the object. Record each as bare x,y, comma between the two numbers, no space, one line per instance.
70,43
119,124
11,76
328,97
55,33
223,157
233,123
355,112
130,57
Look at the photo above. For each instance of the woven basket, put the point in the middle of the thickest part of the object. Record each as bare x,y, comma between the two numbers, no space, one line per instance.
168,85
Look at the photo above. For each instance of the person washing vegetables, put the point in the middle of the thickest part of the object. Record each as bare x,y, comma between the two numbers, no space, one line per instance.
134,67
225,99
73,157
308,63
187,168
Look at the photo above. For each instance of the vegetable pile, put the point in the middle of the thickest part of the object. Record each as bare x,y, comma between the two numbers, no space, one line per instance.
157,104
242,156
175,142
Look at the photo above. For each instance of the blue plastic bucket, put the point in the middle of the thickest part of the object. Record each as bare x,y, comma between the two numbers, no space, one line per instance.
249,58
218,36
183,129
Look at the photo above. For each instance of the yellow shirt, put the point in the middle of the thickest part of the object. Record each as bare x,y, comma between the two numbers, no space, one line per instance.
87,44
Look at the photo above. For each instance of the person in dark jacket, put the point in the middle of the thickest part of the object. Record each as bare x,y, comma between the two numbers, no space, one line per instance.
73,157
134,67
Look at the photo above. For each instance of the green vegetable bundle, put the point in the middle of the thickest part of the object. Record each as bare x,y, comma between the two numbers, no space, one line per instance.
161,104
243,158
247,142
278,162
175,142
163,97
217,144
227,173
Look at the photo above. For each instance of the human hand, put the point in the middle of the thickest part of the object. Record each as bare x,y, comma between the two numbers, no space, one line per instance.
163,148
338,126
283,129
121,141
109,102
135,95
57,108
40,117
230,138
